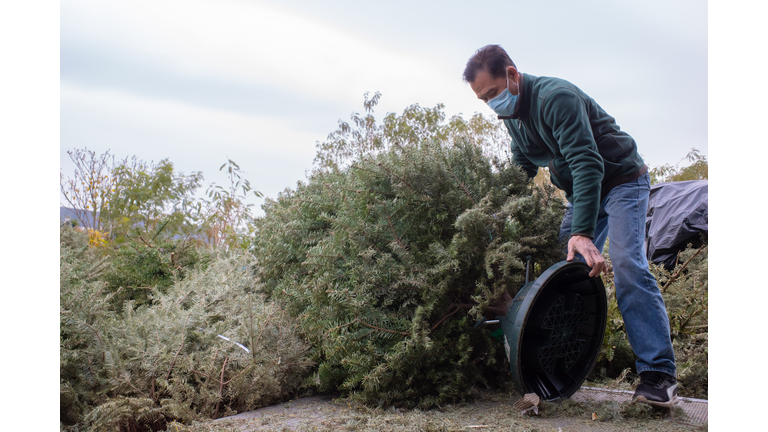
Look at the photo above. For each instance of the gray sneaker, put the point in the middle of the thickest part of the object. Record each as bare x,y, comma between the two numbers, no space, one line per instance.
657,388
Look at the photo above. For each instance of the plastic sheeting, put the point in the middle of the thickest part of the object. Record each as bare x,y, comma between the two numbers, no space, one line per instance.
677,215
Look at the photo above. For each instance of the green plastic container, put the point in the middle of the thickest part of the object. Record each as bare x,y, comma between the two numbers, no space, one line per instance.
554,329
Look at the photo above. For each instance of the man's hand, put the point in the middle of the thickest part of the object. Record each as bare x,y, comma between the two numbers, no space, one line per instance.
587,249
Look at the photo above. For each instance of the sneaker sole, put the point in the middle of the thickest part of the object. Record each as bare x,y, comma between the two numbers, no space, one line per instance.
670,404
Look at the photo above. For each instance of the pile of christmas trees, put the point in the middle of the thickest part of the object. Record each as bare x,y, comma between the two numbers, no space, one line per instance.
407,233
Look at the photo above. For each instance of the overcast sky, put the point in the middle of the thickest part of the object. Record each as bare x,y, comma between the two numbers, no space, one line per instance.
261,82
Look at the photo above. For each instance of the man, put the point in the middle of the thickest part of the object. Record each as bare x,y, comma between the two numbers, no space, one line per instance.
554,124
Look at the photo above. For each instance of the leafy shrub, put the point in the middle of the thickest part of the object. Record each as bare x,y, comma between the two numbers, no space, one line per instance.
388,261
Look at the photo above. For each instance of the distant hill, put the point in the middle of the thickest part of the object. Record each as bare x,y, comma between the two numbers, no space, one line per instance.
66,213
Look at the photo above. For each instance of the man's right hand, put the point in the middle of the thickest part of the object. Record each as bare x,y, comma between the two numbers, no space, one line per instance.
587,249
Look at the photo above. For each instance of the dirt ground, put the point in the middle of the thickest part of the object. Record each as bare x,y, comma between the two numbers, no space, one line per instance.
492,412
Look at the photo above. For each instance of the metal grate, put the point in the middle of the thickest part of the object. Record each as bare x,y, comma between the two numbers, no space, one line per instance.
564,328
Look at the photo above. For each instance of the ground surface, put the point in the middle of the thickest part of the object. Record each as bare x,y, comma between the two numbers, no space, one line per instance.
493,412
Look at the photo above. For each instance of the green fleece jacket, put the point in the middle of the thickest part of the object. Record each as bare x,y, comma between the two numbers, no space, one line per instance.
557,125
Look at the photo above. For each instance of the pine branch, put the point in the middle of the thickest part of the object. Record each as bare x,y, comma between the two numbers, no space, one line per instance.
344,325
97,269
365,335
221,387
263,327
213,363
394,175
246,369
389,221
184,298
97,335
357,191
323,285
383,329
331,189
203,374
327,256
145,242
461,185
400,208
132,386
310,202
458,307
695,312
463,188
680,270
183,334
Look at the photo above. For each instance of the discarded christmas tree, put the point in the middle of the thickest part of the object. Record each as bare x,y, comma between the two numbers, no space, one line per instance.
405,235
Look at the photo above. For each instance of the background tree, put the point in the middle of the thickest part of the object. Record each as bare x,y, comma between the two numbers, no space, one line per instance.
228,218
152,199
698,169
91,189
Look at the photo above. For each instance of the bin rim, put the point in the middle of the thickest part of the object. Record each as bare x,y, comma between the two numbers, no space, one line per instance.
534,289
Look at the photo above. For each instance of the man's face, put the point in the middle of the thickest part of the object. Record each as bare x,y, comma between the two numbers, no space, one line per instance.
487,87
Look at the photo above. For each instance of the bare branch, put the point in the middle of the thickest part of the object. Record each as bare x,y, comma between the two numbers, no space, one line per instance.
680,270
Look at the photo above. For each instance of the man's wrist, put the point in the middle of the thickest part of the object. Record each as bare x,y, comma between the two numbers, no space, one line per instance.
581,235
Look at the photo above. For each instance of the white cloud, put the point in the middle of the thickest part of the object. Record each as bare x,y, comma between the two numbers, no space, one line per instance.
194,138
251,42
108,109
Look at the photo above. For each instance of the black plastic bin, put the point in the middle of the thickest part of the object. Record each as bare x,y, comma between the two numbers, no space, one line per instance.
554,329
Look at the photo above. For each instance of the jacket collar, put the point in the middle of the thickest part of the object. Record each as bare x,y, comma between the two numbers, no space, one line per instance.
523,103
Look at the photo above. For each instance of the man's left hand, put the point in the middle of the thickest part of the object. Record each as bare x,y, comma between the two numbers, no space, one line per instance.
587,249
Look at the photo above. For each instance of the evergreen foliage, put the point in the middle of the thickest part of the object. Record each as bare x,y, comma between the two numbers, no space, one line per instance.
142,267
404,236
207,347
84,315
686,295
685,292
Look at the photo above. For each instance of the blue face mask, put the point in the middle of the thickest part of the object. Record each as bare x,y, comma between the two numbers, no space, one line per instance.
504,102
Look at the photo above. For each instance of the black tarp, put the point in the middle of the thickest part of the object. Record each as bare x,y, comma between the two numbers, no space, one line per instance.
677,215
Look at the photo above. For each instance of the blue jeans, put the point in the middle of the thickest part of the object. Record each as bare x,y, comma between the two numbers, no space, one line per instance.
622,219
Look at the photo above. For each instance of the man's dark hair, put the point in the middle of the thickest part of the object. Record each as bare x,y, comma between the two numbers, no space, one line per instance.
492,58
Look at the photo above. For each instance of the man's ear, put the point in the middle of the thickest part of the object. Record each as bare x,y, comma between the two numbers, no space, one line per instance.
514,80
513,73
